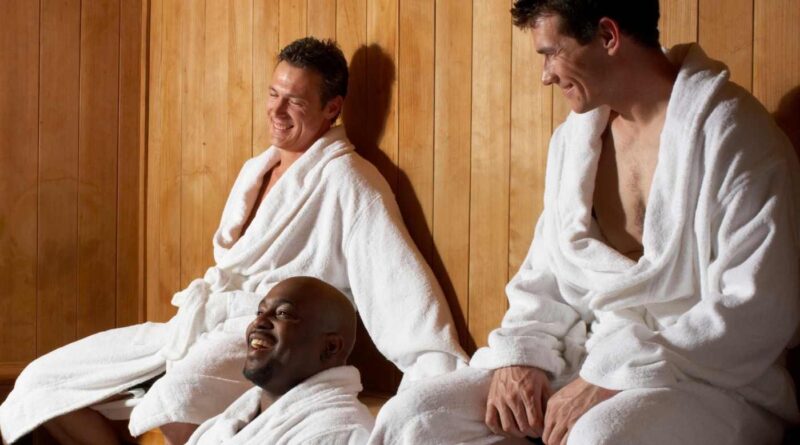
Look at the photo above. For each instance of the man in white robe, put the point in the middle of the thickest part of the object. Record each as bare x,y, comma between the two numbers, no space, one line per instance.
661,289
298,345
308,205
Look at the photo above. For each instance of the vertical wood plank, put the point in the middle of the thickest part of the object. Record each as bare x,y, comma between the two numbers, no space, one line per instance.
164,160
293,20
19,98
382,35
726,33
57,277
678,23
97,163
531,105
452,142
415,120
491,122
130,209
351,35
195,249
240,104
776,67
266,20
322,18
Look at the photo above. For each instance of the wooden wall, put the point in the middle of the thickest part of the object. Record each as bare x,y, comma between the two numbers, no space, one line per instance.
445,99
71,151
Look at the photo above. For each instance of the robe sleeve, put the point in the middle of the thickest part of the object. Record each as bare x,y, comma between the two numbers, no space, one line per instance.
539,326
748,307
398,298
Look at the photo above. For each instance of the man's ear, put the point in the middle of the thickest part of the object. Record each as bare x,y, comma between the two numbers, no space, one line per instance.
609,34
334,344
334,107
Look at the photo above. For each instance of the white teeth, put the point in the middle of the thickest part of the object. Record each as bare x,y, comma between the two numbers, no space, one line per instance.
257,343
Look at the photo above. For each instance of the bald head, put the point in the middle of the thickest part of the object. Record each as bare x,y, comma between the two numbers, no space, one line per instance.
303,326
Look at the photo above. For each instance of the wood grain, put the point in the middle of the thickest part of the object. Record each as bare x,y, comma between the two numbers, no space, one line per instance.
131,163
293,14
451,163
97,163
415,120
531,106
59,109
678,22
266,21
726,34
489,208
322,18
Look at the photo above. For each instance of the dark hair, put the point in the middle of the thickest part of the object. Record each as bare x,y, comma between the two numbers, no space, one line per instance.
636,18
323,57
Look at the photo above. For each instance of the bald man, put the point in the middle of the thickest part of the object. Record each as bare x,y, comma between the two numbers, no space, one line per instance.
297,347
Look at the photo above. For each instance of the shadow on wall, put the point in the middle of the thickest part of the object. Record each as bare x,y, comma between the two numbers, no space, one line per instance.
366,110
788,118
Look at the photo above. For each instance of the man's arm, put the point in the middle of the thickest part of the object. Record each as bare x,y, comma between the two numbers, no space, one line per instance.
398,298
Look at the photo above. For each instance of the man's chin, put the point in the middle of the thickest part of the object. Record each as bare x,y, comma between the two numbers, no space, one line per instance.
258,375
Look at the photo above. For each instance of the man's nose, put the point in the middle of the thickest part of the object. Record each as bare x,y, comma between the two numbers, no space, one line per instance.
547,77
262,322
281,105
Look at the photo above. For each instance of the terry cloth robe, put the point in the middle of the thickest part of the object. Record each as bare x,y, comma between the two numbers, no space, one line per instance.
332,216
323,410
693,332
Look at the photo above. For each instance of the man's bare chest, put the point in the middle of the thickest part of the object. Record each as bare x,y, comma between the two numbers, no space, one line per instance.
624,174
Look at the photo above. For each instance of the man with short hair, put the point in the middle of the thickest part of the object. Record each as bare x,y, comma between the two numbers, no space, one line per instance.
298,345
661,288
308,205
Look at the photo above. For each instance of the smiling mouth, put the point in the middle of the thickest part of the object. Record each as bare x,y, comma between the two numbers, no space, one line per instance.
281,127
258,342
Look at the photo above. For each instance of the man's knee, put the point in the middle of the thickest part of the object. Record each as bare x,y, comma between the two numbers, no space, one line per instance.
177,433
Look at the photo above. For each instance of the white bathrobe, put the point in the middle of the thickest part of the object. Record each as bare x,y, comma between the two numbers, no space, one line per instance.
332,216
323,410
708,309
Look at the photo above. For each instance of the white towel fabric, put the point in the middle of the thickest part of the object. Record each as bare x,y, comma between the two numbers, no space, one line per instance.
323,410
332,216
714,298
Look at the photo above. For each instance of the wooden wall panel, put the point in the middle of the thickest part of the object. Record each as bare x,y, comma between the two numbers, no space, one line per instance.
678,22
489,178
726,34
71,175
19,113
266,19
97,163
415,120
131,162
452,142
776,62
58,174
294,16
531,110
321,18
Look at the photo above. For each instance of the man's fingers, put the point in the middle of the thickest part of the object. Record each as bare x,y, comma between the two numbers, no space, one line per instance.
508,422
549,416
533,413
493,419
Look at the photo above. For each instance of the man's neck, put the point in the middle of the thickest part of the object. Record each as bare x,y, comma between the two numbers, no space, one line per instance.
643,87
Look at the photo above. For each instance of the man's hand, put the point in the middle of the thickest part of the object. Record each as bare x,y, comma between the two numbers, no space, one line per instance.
517,397
567,406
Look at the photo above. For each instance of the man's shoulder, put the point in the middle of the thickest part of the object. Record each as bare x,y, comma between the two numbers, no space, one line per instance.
353,174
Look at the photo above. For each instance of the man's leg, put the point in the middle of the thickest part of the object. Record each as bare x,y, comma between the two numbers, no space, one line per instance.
689,414
444,409
85,427
177,433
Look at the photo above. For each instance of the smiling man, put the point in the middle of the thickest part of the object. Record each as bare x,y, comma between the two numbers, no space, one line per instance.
661,288
298,344
308,205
